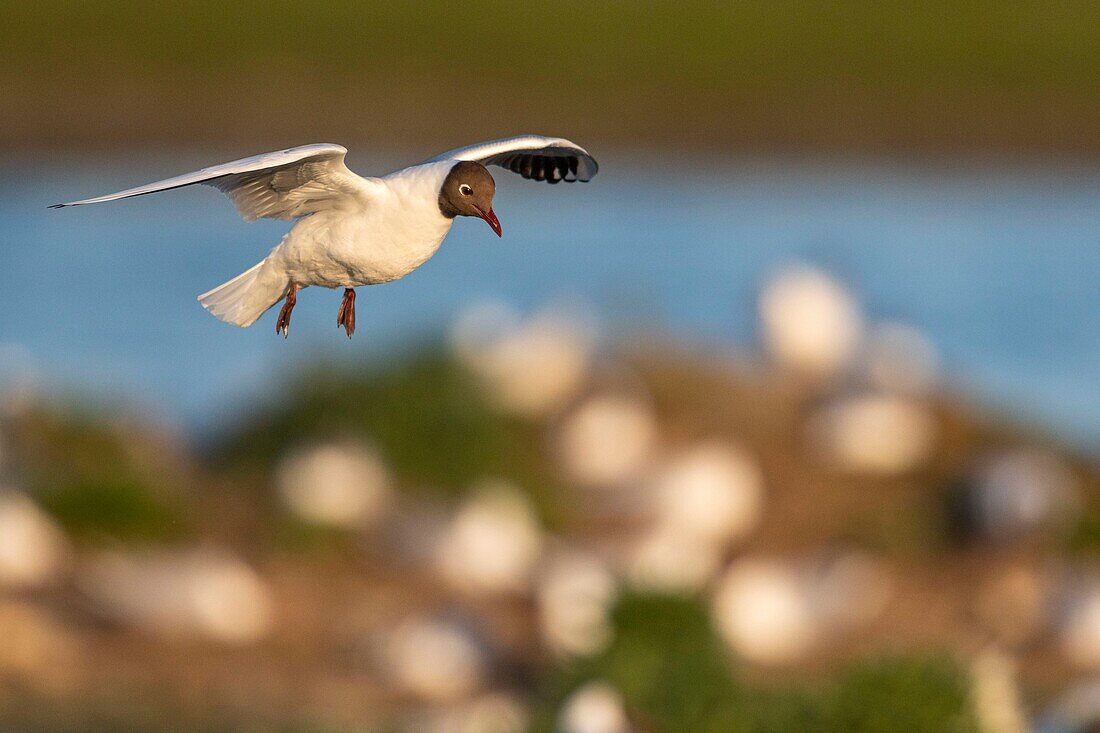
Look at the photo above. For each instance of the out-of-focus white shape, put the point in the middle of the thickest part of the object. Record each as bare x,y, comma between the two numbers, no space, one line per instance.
1023,491
492,543
203,592
343,484
33,549
761,609
437,659
876,434
597,707
607,441
575,594
529,367
996,694
900,359
712,492
494,712
811,324
849,590
668,560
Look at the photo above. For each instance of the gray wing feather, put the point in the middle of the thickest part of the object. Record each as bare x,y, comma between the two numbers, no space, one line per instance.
286,184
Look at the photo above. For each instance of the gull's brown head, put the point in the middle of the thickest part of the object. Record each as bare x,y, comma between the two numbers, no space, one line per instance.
468,191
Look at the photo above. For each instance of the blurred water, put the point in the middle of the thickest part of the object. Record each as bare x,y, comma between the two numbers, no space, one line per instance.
1000,266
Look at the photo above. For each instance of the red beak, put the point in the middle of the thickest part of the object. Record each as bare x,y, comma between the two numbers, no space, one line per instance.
492,220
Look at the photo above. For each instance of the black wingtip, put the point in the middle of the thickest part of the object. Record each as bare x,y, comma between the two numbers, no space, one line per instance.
56,206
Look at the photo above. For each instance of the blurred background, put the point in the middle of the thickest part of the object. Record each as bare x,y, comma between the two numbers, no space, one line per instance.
787,421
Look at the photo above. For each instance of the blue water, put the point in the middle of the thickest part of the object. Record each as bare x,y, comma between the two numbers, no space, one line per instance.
999,265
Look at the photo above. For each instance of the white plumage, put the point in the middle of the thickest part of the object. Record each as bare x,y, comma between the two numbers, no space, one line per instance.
351,230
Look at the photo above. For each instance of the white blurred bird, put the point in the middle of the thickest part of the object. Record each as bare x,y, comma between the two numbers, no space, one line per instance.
352,230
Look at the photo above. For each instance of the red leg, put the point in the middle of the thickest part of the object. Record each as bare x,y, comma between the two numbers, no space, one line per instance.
346,316
283,324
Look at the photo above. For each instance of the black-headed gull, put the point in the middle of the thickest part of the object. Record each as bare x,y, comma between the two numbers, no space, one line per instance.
354,231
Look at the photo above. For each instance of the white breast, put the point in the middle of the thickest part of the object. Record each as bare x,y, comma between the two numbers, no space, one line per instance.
399,231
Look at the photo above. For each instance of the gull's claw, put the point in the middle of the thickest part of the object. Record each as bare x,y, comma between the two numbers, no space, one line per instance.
346,316
282,325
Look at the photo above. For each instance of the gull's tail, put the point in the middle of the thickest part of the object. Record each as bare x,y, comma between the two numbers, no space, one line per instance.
247,296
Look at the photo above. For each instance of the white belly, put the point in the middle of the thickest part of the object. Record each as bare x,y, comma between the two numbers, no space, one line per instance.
343,249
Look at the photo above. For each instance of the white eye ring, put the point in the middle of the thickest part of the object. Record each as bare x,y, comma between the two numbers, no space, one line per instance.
465,189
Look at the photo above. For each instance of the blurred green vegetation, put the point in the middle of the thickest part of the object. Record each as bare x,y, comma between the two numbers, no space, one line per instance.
1085,536
845,72
427,416
108,477
676,676
985,44
98,479
118,509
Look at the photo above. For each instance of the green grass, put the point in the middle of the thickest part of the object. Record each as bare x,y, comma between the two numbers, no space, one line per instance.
427,416
855,74
1084,536
676,675
96,478
117,509
1026,44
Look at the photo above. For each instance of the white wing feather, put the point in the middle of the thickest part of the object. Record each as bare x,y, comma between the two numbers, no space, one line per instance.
285,184
550,159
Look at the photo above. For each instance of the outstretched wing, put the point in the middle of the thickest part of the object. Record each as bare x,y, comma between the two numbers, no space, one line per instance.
550,159
282,185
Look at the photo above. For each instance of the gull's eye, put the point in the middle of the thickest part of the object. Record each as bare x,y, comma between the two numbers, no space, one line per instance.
465,189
